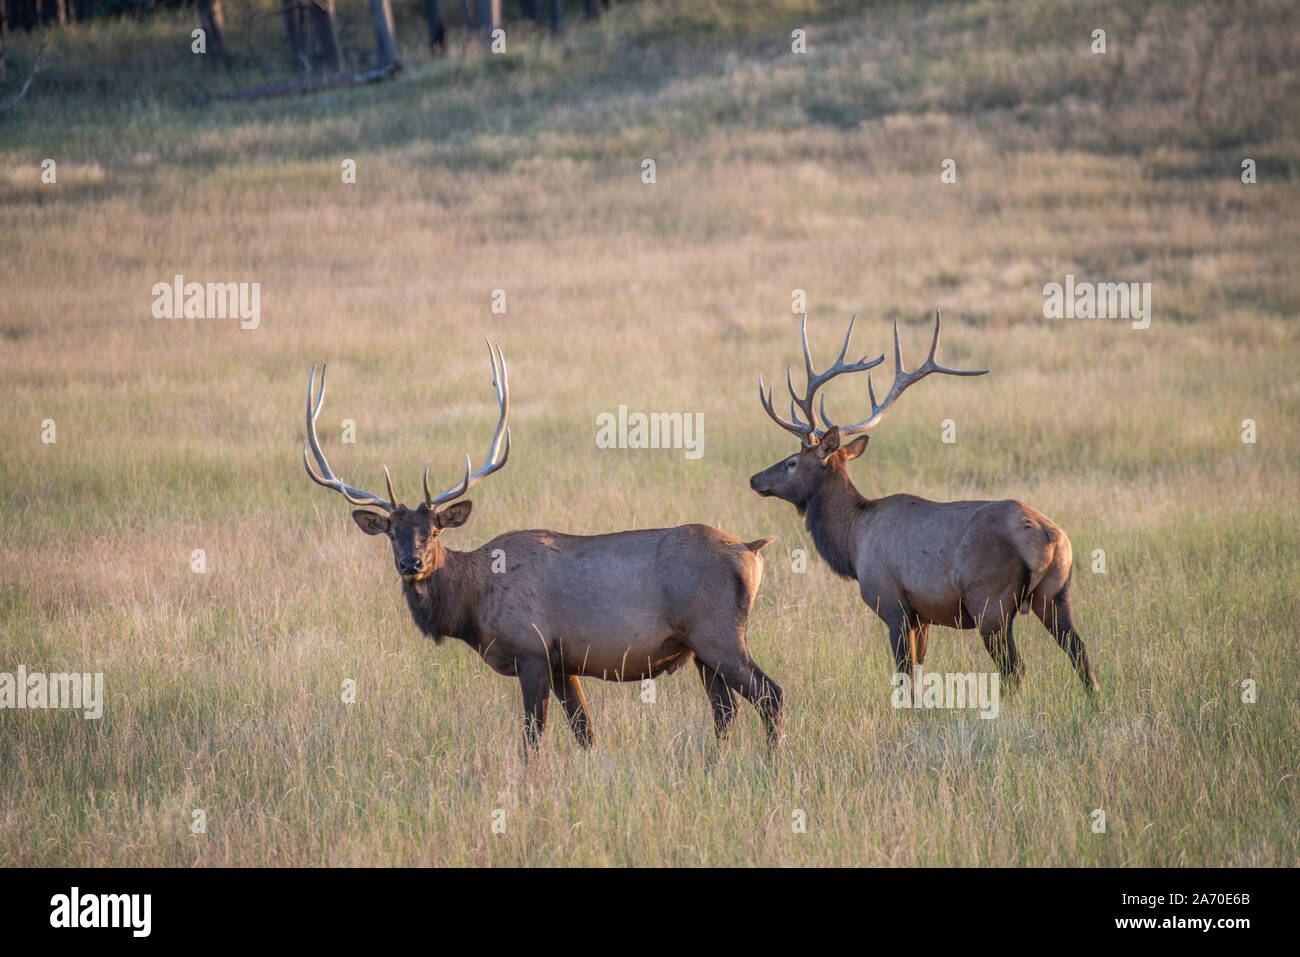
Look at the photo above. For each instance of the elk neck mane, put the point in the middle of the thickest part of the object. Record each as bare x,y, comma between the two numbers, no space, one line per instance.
441,603
829,516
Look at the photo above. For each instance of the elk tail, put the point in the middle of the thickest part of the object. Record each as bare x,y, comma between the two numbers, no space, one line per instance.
758,544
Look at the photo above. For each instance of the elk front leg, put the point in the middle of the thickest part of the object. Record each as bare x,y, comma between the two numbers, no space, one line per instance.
535,682
721,697
569,691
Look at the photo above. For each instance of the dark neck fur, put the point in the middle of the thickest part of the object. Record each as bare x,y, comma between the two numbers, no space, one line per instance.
829,516
441,604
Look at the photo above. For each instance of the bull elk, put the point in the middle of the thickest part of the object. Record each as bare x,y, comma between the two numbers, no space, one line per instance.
556,608
970,564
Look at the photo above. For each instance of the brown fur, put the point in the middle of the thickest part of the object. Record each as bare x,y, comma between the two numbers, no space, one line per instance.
969,564
550,608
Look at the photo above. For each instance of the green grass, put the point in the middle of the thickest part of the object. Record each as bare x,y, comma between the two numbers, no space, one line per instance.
775,172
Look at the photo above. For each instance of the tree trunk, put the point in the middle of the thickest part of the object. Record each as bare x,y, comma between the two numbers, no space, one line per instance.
557,16
487,16
292,30
320,15
381,16
213,23
26,14
437,29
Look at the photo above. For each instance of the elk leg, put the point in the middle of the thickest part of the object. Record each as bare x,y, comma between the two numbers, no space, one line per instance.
901,626
721,697
760,691
535,682
921,636
569,691
1001,645
1057,615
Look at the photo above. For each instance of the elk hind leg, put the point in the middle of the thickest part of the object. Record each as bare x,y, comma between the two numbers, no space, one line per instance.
996,630
902,627
1057,615
758,689
721,697
569,691
920,638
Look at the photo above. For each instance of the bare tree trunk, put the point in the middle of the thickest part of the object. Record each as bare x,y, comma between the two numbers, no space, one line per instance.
381,16
320,15
488,16
557,16
213,23
292,30
437,29
23,14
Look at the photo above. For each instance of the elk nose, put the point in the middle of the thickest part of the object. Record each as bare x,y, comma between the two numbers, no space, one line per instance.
411,566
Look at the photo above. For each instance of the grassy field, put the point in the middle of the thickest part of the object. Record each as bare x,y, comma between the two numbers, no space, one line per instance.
775,172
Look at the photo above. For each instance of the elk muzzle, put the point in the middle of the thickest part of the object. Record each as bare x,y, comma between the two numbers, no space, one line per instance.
410,568
768,481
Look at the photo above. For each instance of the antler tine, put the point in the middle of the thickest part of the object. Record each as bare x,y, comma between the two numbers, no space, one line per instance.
498,450
327,477
807,354
389,480
765,397
502,386
815,380
903,379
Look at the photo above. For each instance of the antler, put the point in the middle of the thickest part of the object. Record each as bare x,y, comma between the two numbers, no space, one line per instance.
497,454
354,495
902,380
498,451
807,430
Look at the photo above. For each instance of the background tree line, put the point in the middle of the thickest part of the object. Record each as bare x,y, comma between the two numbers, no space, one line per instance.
309,24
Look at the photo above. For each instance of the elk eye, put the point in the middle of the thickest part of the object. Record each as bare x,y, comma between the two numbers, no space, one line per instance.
789,466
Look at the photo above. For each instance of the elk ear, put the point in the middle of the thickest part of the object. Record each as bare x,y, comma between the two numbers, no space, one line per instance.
370,523
454,515
856,448
829,443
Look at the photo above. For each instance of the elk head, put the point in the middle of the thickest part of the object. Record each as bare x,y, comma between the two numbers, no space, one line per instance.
822,449
413,532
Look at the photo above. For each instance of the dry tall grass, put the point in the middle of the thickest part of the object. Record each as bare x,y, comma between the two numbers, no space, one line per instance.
775,173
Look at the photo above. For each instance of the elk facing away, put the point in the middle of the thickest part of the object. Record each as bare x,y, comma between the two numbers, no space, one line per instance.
549,608
920,563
